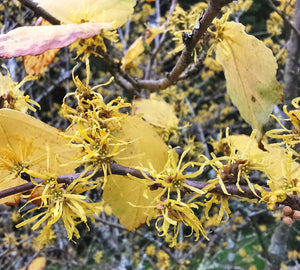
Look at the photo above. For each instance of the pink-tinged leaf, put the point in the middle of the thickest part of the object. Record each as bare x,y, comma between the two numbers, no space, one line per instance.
37,64
34,40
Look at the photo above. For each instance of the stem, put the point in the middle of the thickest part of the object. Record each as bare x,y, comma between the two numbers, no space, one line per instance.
116,169
281,14
40,11
291,70
130,84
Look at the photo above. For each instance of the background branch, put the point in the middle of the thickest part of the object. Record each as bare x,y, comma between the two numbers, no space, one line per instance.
282,15
131,84
40,11
292,66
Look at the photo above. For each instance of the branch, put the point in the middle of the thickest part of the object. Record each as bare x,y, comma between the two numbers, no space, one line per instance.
231,188
67,179
162,40
116,169
282,15
292,201
40,11
291,70
190,40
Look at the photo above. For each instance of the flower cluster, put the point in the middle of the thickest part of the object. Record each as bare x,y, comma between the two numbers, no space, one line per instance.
275,23
170,208
94,127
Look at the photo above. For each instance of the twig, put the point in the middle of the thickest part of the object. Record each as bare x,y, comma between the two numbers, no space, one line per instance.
165,37
162,40
67,179
281,14
40,11
121,227
158,16
291,70
116,169
190,40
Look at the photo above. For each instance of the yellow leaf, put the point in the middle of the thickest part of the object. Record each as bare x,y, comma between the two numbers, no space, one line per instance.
38,263
157,112
137,47
146,145
273,162
26,142
250,71
128,202
37,64
133,52
130,198
78,11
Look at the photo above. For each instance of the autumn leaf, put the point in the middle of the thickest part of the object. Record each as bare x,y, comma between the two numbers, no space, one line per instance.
115,12
250,71
34,40
38,263
272,160
82,19
26,142
132,53
37,64
130,199
138,47
157,112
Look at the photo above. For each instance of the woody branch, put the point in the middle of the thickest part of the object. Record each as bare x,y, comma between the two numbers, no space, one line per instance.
116,169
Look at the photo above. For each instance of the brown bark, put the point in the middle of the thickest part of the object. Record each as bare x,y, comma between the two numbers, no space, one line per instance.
292,66
277,248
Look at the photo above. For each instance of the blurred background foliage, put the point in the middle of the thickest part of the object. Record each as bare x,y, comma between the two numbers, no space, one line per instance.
244,242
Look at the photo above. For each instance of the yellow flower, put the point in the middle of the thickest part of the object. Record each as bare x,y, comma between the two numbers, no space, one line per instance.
242,252
184,21
173,213
234,166
14,159
262,227
143,14
65,204
45,238
150,250
9,239
222,200
275,24
282,183
163,260
98,256
95,127
172,177
241,5
170,210
15,216
12,97
289,137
